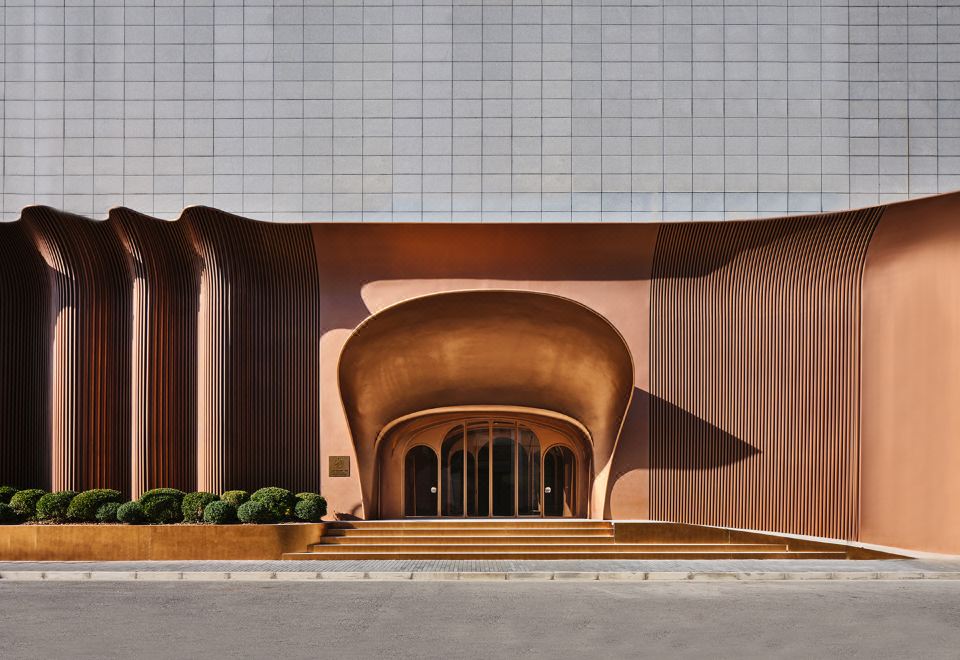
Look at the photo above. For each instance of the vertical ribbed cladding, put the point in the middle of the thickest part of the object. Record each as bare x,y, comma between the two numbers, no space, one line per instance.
24,361
164,301
754,373
258,369
89,317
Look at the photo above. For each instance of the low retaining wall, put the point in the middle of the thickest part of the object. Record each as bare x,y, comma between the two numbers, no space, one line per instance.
154,542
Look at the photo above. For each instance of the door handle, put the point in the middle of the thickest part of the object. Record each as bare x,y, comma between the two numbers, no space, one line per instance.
433,489
547,490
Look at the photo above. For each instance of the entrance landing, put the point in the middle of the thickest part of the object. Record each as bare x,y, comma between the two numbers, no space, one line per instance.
553,539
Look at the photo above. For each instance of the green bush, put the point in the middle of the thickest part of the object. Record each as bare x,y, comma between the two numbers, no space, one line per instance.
256,512
53,506
24,502
162,505
107,513
84,506
194,505
235,497
311,509
6,492
280,501
131,513
163,509
7,515
219,512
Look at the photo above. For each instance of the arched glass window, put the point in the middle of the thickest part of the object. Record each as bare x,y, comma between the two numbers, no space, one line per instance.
452,464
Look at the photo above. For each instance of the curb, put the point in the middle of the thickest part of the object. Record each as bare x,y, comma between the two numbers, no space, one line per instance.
393,576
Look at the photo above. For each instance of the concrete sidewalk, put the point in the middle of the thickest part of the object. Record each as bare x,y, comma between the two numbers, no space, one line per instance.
486,570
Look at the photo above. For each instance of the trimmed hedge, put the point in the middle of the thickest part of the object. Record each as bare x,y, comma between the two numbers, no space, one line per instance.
131,513
24,502
53,506
280,501
6,492
7,515
219,512
194,504
84,506
311,509
235,497
163,505
256,512
107,513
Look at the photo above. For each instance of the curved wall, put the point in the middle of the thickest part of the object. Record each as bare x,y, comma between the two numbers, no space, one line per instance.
89,317
24,361
755,373
258,359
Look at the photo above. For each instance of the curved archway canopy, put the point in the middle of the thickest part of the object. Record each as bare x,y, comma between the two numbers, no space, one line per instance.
485,348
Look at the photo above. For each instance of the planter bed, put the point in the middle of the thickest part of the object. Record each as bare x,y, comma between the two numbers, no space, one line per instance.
106,542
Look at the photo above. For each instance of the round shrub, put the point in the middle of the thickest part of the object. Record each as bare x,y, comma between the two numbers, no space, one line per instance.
280,501
235,497
6,492
7,515
163,509
131,513
24,502
194,504
84,506
219,512
311,509
256,512
53,506
107,513
162,505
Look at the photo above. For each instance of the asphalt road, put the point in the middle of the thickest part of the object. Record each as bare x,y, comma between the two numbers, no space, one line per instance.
905,619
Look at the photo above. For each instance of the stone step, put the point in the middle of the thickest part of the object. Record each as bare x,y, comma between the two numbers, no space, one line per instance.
538,547
522,554
453,538
512,523
442,530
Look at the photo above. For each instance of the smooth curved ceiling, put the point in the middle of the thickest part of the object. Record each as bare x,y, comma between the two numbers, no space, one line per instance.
485,347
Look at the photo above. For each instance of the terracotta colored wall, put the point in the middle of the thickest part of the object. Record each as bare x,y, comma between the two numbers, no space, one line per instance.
24,361
258,348
164,299
89,317
754,373
911,378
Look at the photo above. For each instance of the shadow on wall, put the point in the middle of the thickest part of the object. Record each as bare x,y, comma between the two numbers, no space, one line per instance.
697,445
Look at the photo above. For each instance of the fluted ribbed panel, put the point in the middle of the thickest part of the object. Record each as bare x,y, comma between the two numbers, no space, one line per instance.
90,358
754,373
164,302
24,361
258,353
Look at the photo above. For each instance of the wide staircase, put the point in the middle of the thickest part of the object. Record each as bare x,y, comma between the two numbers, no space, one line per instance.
551,539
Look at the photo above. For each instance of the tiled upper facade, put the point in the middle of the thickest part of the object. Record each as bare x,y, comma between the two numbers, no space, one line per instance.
466,110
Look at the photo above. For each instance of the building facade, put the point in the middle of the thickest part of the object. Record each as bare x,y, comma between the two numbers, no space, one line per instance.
794,375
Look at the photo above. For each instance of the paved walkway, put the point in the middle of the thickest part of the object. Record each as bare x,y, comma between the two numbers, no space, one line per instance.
755,569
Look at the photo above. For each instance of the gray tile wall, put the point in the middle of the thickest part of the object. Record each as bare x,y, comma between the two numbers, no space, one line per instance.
465,110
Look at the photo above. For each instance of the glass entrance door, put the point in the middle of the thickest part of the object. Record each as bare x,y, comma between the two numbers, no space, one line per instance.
478,481
559,481
420,482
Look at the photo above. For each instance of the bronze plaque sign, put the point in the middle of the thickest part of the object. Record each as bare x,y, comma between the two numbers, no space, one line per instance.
339,466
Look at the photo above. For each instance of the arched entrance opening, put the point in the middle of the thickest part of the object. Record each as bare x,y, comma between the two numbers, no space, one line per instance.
485,464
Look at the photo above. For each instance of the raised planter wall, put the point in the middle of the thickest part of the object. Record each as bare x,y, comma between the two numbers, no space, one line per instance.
154,542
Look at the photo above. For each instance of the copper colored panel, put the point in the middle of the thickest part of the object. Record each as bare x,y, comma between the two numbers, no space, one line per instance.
258,353
89,315
489,348
755,373
164,299
911,378
24,361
